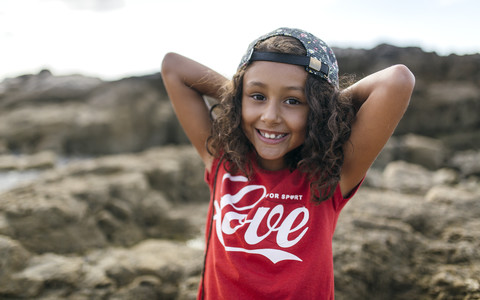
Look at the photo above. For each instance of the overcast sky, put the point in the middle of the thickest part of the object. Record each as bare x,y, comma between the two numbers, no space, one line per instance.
117,38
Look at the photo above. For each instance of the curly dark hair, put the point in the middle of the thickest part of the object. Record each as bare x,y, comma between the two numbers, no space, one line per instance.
328,126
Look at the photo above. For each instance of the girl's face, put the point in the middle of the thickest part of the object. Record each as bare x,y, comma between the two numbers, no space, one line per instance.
274,110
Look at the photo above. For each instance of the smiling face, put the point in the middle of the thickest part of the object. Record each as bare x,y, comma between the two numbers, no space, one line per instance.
274,110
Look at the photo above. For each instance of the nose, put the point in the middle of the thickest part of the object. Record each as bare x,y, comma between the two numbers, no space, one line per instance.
271,113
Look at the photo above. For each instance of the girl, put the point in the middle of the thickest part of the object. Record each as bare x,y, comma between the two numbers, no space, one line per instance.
285,151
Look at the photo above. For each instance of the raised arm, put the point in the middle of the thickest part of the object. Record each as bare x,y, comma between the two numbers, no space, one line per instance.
186,82
382,99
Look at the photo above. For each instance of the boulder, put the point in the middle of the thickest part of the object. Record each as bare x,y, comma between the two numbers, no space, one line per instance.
77,115
48,271
428,152
410,178
13,258
467,162
124,116
443,108
395,246
428,67
152,269
128,222
400,241
44,87
412,148
446,98
40,160
84,116
116,200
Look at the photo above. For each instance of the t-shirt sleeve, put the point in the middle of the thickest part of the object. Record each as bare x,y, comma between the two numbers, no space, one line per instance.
339,201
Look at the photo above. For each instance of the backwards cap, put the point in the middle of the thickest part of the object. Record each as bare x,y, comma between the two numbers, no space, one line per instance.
320,59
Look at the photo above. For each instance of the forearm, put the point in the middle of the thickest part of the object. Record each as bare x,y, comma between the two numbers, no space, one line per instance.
179,70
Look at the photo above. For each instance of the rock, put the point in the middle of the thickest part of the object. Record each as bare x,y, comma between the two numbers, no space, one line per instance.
124,116
445,176
153,276
420,150
449,280
424,151
144,272
443,108
40,160
468,162
5,228
446,99
13,258
370,237
45,88
462,141
94,281
392,246
3,148
84,116
405,177
449,195
49,271
387,245
116,200
374,178
79,116
152,269
144,287
408,178
130,226
44,220
389,153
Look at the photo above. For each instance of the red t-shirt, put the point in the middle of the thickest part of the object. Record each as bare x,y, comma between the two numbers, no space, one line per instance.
269,241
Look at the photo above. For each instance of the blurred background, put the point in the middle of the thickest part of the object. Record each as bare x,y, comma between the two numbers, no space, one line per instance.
117,38
103,197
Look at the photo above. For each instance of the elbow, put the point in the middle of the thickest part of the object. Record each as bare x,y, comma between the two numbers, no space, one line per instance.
168,63
404,77
403,83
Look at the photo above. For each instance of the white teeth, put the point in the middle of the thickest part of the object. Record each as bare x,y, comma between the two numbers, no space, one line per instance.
272,135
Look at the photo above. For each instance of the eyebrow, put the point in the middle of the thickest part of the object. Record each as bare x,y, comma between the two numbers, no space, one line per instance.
261,84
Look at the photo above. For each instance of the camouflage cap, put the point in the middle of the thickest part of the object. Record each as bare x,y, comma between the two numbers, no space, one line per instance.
320,59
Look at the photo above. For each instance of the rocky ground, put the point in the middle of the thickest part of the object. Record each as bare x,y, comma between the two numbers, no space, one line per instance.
113,204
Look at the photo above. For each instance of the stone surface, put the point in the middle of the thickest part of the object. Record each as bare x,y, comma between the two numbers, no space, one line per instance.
117,200
395,246
416,149
468,162
83,116
413,239
408,178
40,160
77,115
153,269
446,98
124,217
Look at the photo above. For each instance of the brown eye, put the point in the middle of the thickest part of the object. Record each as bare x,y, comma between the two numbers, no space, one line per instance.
258,97
292,101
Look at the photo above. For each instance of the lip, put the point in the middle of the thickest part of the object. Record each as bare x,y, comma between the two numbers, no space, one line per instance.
271,141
